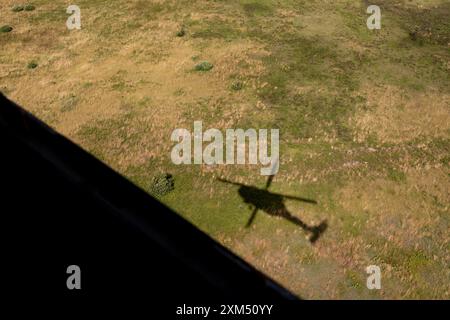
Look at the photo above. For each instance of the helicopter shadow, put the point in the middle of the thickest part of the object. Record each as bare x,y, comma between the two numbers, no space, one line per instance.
273,204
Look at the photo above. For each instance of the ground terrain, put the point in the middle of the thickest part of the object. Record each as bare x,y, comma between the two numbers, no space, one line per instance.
364,119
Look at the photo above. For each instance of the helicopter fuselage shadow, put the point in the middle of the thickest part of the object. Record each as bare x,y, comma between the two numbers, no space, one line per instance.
273,204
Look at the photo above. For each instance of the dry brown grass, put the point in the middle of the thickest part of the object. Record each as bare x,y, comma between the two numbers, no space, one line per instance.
128,81
397,115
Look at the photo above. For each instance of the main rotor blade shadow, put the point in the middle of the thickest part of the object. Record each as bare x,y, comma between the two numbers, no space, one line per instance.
231,182
269,181
297,198
252,217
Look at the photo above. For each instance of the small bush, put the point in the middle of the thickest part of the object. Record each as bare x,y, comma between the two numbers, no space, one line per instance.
17,8
162,185
204,66
6,29
181,33
69,103
29,7
237,85
32,65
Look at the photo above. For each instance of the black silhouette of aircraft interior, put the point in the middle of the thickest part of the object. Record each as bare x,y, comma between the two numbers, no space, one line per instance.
61,206
273,204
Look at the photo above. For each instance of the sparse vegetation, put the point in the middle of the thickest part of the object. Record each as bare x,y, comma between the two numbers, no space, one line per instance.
69,103
181,33
29,7
237,85
18,8
363,118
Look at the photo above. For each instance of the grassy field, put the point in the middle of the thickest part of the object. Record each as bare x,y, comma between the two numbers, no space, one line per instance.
364,119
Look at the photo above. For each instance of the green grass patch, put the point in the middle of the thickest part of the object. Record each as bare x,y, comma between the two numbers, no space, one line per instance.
99,135
354,279
354,223
214,29
396,175
257,8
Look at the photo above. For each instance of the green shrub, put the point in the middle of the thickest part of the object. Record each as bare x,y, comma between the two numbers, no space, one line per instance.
181,33
237,85
6,28
17,8
29,7
162,184
32,65
204,66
